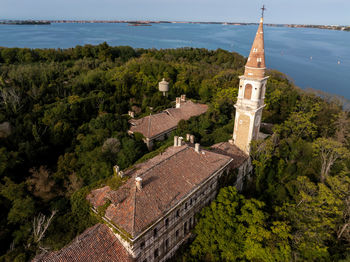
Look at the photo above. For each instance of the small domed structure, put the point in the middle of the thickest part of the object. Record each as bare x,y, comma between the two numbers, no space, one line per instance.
164,87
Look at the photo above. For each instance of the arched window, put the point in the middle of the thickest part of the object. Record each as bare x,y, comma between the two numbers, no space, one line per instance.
248,91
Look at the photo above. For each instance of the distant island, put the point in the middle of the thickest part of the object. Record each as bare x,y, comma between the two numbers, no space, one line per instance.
149,23
24,22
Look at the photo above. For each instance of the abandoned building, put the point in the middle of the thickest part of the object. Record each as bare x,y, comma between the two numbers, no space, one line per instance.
160,125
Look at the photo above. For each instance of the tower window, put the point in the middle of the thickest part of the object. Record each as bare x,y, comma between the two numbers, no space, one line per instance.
255,50
155,232
248,91
166,223
156,253
258,59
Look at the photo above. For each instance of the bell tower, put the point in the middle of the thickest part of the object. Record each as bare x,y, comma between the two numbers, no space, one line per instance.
251,94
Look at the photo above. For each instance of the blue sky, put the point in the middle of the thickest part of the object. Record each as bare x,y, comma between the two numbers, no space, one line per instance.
279,11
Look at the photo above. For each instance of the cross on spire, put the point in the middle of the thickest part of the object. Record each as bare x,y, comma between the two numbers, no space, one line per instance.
262,11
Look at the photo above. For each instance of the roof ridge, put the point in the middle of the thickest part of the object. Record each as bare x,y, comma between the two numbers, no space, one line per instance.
134,214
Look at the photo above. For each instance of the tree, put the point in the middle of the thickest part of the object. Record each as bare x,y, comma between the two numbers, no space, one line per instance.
110,148
233,228
21,210
41,183
298,125
40,225
316,216
342,125
328,151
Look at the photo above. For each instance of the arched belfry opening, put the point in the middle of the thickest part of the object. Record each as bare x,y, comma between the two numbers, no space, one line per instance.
248,91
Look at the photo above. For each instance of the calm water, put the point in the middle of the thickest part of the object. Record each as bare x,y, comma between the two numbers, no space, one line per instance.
288,50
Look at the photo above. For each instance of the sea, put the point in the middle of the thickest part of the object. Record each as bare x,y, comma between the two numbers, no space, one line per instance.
312,58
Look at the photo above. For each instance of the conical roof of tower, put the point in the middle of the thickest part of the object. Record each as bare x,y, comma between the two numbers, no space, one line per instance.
255,67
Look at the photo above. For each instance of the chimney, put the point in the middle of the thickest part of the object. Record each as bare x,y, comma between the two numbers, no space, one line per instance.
175,140
179,142
192,139
178,102
116,169
138,181
183,98
197,147
188,137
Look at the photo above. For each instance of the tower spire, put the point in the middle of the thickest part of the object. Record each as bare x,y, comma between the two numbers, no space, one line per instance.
255,66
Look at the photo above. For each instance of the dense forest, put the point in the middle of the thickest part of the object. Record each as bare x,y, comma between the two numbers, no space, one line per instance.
64,122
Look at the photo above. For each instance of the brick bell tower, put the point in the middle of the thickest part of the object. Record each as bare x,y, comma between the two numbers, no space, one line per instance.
251,94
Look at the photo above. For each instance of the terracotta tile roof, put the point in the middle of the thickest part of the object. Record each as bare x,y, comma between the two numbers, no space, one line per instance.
255,66
225,148
167,179
95,244
166,120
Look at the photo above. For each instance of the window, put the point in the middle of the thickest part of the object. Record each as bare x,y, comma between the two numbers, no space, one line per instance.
191,202
167,243
255,50
177,213
248,91
142,246
190,222
185,228
166,223
258,59
156,253
155,232
185,206
177,233
145,260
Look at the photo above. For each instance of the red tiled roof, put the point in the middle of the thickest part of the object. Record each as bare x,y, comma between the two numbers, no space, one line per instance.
167,179
167,119
95,244
225,148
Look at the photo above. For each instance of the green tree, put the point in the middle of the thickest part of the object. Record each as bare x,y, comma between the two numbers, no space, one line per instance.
315,216
328,151
234,228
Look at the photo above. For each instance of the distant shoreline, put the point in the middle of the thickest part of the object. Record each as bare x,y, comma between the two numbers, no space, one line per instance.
149,23
24,22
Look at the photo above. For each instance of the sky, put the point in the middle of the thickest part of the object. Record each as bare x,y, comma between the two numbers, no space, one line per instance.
330,12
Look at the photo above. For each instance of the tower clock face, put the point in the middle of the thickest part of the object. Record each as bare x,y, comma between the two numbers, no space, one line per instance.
257,120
